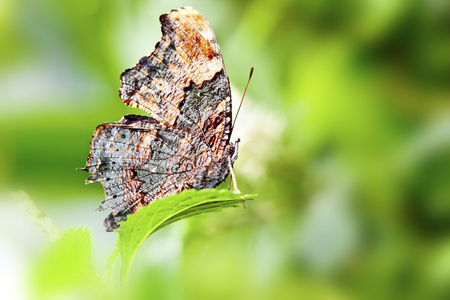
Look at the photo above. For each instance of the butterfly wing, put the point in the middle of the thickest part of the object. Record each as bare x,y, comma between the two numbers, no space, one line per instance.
138,160
183,83
184,86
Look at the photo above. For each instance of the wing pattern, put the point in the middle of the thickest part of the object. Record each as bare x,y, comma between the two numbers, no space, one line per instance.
184,86
185,60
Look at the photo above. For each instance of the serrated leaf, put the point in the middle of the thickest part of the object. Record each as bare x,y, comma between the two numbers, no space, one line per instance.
66,268
163,212
110,263
37,216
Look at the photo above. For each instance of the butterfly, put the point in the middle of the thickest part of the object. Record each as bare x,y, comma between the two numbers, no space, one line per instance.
184,86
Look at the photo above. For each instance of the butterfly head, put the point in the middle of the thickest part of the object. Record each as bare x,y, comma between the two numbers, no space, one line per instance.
232,150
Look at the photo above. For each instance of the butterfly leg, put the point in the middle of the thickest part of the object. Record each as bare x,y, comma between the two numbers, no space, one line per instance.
234,156
233,178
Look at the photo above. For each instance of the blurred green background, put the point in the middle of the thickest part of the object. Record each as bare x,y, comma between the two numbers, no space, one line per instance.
345,137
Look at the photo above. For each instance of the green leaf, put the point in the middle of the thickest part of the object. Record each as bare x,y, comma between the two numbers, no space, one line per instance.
163,212
37,216
66,269
110,263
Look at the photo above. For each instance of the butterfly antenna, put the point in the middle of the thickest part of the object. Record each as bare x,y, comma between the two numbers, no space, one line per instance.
242,100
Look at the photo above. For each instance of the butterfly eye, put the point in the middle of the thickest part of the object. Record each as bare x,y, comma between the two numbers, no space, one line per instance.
230,149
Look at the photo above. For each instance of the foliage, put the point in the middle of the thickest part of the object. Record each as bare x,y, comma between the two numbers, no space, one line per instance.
159,214
66,268
344,134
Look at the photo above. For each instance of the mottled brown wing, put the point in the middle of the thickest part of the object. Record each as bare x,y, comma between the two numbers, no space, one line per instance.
184,86
183,83
138,160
